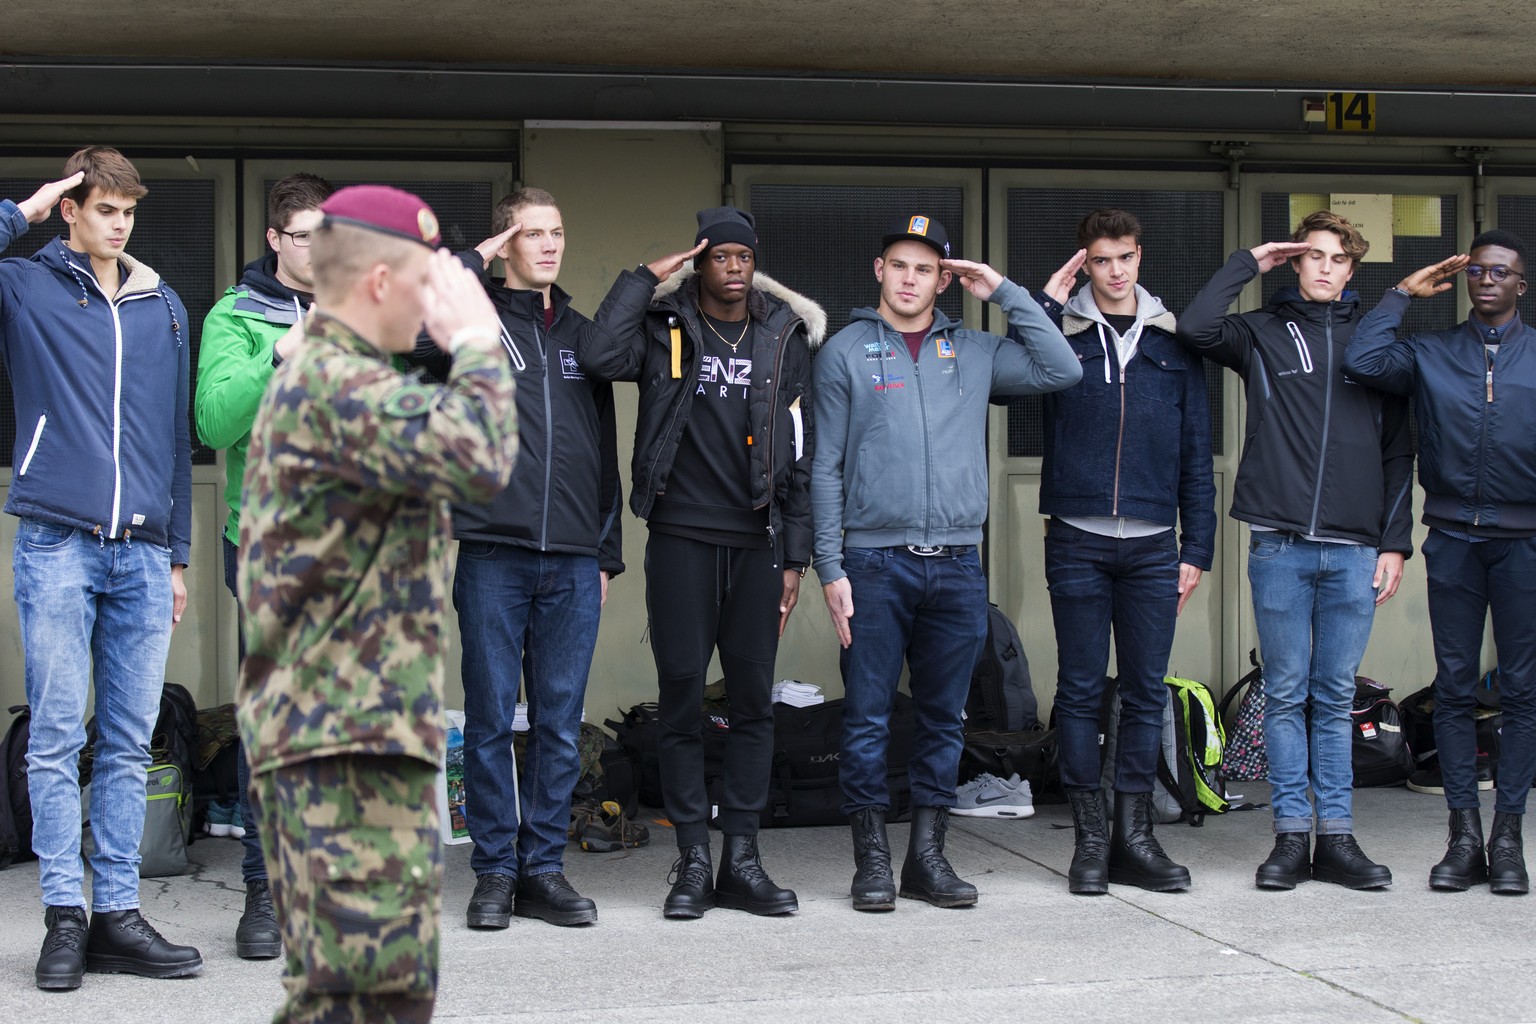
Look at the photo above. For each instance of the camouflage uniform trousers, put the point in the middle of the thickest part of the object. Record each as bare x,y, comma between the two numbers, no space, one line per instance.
355,863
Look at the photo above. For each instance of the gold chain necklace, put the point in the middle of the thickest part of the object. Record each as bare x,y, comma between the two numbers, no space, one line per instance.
743,337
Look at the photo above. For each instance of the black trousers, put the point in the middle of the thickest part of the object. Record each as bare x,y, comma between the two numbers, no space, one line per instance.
701,597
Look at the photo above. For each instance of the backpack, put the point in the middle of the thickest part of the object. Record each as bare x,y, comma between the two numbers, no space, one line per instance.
1196,780
168,809
638,731
1378,746
1168,802
1002,698
1245,759
15,802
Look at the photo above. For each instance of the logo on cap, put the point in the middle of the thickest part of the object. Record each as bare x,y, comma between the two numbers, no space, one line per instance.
426,223
918,226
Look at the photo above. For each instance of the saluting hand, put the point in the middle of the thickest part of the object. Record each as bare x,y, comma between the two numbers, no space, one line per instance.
1272,254
669,265
1059,287
491,247
454,301
977,278
40,205
1434,279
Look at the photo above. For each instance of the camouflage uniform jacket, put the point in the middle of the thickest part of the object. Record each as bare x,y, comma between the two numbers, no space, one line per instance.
344,536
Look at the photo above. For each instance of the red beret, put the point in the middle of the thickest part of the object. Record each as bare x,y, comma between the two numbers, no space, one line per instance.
383,209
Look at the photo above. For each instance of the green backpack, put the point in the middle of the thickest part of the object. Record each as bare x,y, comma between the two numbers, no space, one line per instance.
1195,779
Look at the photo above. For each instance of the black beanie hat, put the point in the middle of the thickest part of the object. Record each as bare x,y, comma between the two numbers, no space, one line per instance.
723,224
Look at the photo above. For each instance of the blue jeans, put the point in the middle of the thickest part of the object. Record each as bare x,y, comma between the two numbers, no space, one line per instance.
932,612
252,867
522,609
1132,584
85,601
1313,604
1465,579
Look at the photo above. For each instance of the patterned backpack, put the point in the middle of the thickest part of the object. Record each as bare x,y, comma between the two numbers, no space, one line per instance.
1245,760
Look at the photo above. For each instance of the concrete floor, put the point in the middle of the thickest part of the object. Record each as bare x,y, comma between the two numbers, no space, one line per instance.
1223,951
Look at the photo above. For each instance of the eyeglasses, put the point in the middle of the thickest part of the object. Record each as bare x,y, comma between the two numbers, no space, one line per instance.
1498,273
303,238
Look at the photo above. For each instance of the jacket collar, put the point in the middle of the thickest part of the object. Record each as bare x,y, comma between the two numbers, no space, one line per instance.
767,300
1082,312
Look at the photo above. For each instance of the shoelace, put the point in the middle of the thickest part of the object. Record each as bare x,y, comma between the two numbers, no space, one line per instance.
557,883
64,938
688,870
491,887
1347,849
1506,856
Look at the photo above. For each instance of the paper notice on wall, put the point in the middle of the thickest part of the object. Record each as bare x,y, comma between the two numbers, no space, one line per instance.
1372,214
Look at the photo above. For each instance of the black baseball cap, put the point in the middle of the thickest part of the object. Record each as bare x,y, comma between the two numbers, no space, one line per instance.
918,227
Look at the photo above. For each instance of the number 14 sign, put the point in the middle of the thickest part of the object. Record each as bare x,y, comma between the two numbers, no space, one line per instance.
1351,112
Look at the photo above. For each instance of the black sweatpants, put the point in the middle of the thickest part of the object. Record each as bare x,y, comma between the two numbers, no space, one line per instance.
700,596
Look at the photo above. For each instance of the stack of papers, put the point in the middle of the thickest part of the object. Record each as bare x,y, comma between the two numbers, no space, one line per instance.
797,694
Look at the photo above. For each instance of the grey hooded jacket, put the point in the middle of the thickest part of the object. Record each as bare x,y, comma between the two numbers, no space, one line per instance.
901,447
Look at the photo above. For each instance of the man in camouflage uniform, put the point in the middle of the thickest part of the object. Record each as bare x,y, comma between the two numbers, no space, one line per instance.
343,577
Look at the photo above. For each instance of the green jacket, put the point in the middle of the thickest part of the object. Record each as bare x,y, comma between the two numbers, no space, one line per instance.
234,364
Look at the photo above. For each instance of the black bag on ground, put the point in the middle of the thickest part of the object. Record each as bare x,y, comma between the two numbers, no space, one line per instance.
1028,753
1378,746
216,770
1418,712
807,745
15,801
1002,698
638,733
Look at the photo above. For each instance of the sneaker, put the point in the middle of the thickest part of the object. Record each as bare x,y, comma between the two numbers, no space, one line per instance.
987,796
236,822
220,817
604,828
1429,780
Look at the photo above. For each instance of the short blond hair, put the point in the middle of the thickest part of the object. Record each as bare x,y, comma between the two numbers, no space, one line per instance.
343,253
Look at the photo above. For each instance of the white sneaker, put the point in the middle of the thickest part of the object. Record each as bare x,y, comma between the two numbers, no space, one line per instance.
988,796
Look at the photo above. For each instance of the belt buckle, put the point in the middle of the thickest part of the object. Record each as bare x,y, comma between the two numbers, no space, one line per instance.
927,550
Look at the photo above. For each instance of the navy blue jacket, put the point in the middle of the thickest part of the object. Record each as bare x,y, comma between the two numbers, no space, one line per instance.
1136,444
101,389
1477,441
1322,455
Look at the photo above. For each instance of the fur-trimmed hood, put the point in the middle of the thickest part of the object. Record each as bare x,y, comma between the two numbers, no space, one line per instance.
1082,312
764,290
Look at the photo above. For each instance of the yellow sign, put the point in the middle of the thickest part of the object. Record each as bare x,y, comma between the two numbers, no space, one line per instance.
1372,214
1351,112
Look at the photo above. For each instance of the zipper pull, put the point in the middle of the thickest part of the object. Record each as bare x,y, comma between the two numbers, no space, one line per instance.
1489,380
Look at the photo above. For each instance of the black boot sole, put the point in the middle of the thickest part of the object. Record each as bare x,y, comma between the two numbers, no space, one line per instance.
1087,887
1510,887
259,950
564,918
1447,881
1172,884
938,899
874,904
688,911
60,982
762,908
488,919
1280,883
106,964
1358,884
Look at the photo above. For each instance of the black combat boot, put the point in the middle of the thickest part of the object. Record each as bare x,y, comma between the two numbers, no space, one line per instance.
1289,863
1089,873
490,906
743,884
549,897
62,963
1339,859
873,887
926,874
1135,856
693,890
1506,856
1465,863
257,936
122,942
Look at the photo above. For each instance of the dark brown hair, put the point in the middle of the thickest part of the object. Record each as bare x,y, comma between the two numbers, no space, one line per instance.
106,169
1107,223
295,194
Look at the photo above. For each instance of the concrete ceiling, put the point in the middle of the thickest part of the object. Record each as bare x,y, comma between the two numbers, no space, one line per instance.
1377,43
